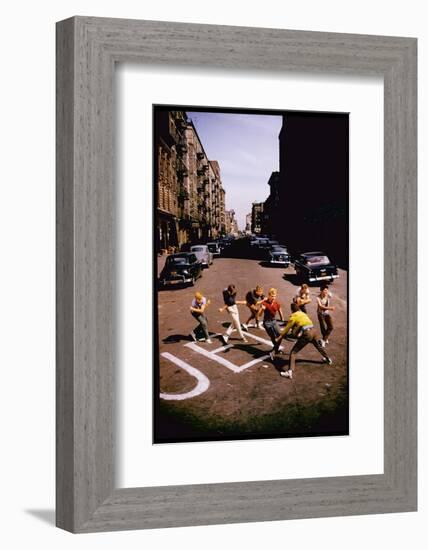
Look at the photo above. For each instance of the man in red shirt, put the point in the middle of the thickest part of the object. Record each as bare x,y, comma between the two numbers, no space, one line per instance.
270,308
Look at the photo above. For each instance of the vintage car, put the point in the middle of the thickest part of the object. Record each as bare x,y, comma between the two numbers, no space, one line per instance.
260,242
214,248
180,268
278,255
315,266
203,254
225,242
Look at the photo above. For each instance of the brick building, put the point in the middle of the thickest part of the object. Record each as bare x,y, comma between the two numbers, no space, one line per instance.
190,198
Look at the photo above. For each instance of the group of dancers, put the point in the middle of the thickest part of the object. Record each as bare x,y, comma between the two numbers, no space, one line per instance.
299,327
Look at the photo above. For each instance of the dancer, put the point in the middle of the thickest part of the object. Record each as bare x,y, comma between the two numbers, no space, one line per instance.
271,307
230,304
301,325
197,309
254,299
302,297
324,317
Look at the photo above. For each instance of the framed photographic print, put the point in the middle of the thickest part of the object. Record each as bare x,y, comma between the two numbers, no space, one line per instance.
278,212
266,262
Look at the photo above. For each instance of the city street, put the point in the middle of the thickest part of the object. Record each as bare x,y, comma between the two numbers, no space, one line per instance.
211,391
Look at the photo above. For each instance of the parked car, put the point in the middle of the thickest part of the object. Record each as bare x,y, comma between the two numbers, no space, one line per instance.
214,248
260,242
264,243
254,242
203,254
278,255
180,268
315,266
224,243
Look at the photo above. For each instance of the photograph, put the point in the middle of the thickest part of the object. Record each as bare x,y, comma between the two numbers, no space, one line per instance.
251,273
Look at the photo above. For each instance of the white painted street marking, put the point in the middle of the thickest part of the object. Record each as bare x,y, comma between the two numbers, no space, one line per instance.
259,339
203,382
254,362
213,356
202,385
254,337
222,348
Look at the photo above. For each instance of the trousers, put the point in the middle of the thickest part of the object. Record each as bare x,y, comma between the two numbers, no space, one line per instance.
236,323
272,329
203,324
326,325
308,337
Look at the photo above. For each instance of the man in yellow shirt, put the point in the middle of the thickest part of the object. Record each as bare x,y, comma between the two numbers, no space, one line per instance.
301,326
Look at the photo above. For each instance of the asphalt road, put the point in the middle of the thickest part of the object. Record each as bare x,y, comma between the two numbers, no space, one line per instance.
212,391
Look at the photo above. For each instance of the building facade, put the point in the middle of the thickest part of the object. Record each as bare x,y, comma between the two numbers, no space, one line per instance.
248,223
257,217
190,198
231,223
271,217
312,192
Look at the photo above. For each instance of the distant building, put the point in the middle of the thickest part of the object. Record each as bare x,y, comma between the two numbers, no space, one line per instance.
257,217
218,198
231,223
222,211
248,223
272,216
206,192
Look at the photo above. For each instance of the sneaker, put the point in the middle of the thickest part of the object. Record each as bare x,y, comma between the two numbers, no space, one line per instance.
259,326
225,338
287,374
326,341
208,341
193,336
327,360
244,326
321,342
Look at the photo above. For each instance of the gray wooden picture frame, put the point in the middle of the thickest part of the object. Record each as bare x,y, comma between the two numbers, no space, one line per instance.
87,50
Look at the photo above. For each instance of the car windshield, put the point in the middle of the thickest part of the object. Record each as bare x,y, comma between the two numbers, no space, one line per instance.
279,249
177,260
197,249
317,260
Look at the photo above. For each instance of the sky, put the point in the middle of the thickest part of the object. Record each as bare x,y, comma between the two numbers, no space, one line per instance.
246,148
